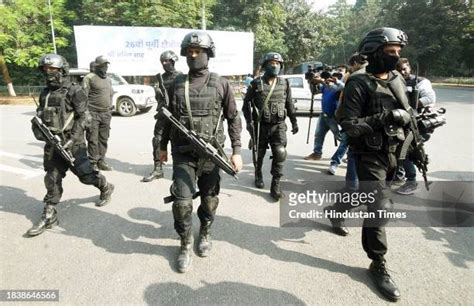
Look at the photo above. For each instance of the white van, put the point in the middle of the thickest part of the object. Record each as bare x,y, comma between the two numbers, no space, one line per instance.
128,98
301,94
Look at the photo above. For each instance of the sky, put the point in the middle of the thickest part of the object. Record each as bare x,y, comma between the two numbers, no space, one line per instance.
324,4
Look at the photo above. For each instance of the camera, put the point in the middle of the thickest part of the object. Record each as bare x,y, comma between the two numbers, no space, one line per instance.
325,74
430,119
337,75
310,73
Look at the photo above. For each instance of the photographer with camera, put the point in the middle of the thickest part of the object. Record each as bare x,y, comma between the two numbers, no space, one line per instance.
330,86
427,98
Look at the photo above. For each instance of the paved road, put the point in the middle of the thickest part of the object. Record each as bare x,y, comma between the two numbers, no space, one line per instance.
124,253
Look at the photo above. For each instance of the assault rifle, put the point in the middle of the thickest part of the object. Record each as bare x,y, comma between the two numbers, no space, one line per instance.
162,88
413,143
255,134
203,148
53,140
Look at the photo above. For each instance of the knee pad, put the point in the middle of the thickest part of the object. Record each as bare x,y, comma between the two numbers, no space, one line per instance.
182,209
209,205
83,168
279,153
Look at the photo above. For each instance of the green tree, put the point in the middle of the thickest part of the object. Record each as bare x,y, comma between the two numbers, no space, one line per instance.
26,34
265,18
161,13
349,26
438,35
306,32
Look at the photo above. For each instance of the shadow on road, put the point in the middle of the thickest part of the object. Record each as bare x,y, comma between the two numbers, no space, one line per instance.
295,169
80,218
262,240
459,241
223,293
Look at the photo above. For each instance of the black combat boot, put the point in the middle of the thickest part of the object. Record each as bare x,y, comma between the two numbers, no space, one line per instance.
259,178
102,165
157,173
204,240
48,220
338,225
275,190
184,257
105,195
383,281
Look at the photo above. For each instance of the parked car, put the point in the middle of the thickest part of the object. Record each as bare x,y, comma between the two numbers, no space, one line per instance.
128,98
301,94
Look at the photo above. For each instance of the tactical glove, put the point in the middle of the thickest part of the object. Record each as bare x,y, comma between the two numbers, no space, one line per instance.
294,128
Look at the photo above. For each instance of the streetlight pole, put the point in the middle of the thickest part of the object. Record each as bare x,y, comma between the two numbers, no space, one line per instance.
52,26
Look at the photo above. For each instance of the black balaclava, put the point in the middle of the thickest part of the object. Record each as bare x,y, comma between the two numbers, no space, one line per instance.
380,62
54,79
101,70
270,70
168,66
198,63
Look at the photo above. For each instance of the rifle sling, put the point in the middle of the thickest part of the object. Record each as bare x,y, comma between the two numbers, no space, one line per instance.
265,103
405,146
188,103
401,97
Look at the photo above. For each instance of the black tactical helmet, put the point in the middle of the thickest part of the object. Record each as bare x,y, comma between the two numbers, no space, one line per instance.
198,39
271,56
168,55
100,60
381,37
55,61
92,66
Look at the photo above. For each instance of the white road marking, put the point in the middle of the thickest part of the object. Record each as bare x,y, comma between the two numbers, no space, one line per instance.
19,156
27,173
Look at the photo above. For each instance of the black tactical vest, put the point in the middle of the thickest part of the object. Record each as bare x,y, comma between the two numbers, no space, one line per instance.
274,110
206,108
381,98
168,79
57,111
